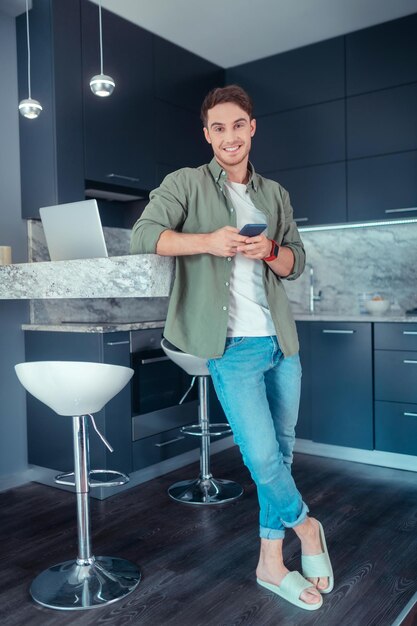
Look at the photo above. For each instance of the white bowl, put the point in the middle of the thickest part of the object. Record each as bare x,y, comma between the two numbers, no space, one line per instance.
377,306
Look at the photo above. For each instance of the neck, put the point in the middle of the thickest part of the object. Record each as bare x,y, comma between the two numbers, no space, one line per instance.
238,173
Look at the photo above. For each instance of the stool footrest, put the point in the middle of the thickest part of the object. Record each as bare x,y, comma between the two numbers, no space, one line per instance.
214,430
64,479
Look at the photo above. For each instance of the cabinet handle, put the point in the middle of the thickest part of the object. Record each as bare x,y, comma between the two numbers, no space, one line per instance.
410,414
401,210
131,178
165,443
337,332
156,359
301,219
410,361
117,343
409,332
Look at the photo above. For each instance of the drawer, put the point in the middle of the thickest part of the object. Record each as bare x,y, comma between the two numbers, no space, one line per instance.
150,424
395,376
161,447
392,336
396,427
144,340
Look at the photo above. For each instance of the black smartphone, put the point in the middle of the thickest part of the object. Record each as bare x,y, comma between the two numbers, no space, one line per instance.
252,230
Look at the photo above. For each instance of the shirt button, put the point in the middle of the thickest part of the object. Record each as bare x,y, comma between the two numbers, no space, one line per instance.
223,173
229,258
231,209
225,308
226,283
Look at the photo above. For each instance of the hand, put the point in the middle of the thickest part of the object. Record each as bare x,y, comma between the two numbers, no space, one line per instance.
225,241
257,247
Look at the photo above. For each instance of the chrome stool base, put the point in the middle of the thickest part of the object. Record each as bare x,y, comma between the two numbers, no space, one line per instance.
72,585
205,491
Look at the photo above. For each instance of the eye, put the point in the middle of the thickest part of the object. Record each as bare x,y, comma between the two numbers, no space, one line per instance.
218,129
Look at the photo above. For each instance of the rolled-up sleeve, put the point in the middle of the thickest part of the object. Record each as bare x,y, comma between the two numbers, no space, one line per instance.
166,210
292,239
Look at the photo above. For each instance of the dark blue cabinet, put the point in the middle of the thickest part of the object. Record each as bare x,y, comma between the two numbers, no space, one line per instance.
318,193
50,435
303,428
182,78
382,122
395,380
51,147
382,56
382,187
182,131
342,401
308,136
304,76
118,130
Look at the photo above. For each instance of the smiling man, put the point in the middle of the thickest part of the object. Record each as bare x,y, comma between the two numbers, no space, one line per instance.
228,305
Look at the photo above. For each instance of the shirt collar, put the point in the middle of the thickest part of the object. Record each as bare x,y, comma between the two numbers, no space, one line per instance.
220,175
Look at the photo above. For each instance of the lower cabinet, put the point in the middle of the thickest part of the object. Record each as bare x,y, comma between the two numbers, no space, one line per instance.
341,384
395,383
303,428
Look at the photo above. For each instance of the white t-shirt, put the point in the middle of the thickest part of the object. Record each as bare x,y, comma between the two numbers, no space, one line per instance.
249,314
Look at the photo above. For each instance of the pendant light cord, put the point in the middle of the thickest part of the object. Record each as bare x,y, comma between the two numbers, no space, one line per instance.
101,39
27,36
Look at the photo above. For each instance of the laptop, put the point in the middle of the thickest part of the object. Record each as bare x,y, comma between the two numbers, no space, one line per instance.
73,231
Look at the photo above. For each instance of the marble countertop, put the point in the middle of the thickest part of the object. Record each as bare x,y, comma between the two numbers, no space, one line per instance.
96,327
130,276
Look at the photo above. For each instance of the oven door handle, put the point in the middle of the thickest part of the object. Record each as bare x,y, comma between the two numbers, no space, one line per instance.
156,359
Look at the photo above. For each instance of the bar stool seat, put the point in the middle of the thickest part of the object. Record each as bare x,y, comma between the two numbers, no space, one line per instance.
78,389
205,489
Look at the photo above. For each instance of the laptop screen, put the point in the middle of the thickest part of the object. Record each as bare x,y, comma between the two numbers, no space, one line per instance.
73,231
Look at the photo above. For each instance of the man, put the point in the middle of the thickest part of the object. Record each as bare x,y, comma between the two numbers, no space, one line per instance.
228,305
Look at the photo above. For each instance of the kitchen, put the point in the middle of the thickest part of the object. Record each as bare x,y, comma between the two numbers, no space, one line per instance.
382,256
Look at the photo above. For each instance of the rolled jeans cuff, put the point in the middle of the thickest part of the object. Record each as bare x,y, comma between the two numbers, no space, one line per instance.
300,519
271,533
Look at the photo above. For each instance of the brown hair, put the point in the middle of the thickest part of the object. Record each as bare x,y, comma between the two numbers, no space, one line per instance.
220,95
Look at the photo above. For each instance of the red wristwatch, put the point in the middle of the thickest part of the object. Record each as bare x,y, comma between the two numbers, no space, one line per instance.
273,253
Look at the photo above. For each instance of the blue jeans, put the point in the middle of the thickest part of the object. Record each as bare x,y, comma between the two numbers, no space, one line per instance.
259,391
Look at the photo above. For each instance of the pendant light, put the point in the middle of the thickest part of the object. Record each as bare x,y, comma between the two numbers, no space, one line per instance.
101,85
29,107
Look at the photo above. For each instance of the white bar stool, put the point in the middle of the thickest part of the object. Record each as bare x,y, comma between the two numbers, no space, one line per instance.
79,389
205,489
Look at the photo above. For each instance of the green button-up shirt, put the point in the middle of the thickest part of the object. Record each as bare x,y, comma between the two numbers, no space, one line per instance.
195,201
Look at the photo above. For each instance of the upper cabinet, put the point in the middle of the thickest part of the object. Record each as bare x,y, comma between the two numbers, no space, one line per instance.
181,81
382,122
118,130
382,56
181,78
304,76
51,147
307,136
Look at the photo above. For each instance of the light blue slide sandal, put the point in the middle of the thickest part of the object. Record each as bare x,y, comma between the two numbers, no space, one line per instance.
290,589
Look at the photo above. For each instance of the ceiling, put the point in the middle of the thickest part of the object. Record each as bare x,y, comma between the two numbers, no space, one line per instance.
230,32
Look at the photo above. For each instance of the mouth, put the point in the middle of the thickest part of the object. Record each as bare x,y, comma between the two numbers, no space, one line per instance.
232,149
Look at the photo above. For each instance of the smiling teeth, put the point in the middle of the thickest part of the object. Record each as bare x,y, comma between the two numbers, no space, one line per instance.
232,149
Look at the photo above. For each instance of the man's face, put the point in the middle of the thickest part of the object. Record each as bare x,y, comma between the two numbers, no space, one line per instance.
229,131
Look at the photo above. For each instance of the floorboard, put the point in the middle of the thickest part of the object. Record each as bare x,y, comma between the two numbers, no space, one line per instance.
198,563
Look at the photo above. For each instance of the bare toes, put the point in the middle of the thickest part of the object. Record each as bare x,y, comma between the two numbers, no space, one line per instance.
310,596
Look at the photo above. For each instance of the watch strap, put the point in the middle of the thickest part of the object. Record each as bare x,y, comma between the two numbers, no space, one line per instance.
273,252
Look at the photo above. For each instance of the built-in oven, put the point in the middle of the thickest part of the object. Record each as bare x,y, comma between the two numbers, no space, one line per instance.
157,388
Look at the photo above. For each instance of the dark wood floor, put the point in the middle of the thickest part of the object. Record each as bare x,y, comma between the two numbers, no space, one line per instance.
198,563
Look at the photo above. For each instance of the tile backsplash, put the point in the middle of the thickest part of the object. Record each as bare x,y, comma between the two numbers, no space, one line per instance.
348,262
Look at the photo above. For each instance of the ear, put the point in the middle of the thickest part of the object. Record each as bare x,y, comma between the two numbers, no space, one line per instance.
206,135
252,127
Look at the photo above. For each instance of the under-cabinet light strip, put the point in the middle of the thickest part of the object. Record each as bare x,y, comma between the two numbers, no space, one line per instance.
309,229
